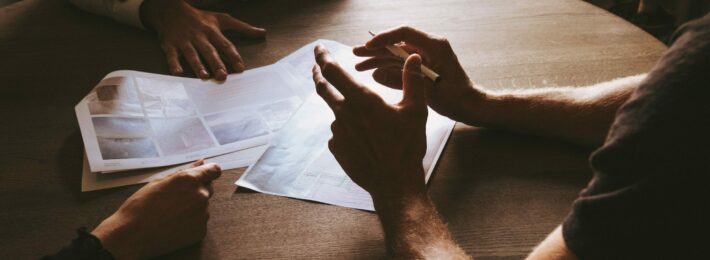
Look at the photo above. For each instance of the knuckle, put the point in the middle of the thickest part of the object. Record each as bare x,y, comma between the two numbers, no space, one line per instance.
331,144
444,43
222,16
225,45
406,27
201,196
321,85
329,67
184,178
341,112
206,27
334,127
204,196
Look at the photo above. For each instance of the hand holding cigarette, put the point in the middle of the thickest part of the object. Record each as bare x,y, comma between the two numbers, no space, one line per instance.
453,94
399,52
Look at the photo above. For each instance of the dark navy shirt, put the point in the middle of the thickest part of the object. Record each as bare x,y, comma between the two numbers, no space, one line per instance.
649,198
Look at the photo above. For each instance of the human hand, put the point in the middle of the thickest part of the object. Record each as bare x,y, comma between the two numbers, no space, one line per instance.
197,36
454,96
379,145
161,217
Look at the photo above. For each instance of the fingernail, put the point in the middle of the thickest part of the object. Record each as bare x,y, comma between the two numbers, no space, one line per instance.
203,73
239,67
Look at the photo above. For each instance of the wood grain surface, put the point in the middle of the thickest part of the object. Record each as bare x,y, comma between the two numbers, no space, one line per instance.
500,193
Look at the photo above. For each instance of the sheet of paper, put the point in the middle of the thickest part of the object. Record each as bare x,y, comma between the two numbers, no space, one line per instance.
134,120
298,163
91,181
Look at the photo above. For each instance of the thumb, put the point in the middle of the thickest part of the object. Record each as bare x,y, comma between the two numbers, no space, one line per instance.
227,22
206,172
198,163
414,82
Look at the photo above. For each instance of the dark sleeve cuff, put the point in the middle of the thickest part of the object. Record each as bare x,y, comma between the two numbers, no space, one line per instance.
85,246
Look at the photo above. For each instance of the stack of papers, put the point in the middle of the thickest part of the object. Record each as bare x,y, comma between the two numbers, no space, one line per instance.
138,127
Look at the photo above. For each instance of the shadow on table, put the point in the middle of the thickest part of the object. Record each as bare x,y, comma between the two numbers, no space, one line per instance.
70,166
491,185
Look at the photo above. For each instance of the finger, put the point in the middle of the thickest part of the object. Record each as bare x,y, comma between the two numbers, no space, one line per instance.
390,77
411,36
209,53
363,51
414,83
337,76
210,189
228,50
190,54
411,49
379,62
228,22
171,55
331,96
206,173
198,163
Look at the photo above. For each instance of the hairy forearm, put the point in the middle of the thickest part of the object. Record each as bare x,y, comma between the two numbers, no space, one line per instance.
414,230
581,115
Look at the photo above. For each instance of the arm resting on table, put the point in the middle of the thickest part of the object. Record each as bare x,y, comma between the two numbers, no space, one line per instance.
581,115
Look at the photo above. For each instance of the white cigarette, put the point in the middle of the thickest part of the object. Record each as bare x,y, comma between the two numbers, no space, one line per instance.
399,52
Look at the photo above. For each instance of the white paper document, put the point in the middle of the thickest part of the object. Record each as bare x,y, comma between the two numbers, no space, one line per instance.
298,163
138,127
91,181
135,120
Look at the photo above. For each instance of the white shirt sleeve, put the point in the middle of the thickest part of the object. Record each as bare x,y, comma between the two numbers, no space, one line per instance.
124,11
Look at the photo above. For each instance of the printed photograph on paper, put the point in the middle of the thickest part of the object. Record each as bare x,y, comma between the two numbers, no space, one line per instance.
277,114
181,135
114,96
236,125
164,98
123,138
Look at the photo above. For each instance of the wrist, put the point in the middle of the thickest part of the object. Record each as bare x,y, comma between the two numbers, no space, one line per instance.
397,210
113,238
479,106
152,12
399,193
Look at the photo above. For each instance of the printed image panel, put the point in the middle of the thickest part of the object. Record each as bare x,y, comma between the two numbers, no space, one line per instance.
277,114
181,135
164,98
120,127
115,108
126,148
114,96
123,138
236,125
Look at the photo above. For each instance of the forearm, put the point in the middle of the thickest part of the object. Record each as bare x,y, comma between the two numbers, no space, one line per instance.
122,11
414,230
581,115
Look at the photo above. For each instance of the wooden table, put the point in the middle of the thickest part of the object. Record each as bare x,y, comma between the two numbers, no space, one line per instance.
500,193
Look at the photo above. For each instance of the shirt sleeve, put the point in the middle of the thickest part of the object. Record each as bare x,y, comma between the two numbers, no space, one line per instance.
648,197
85,246
126,11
